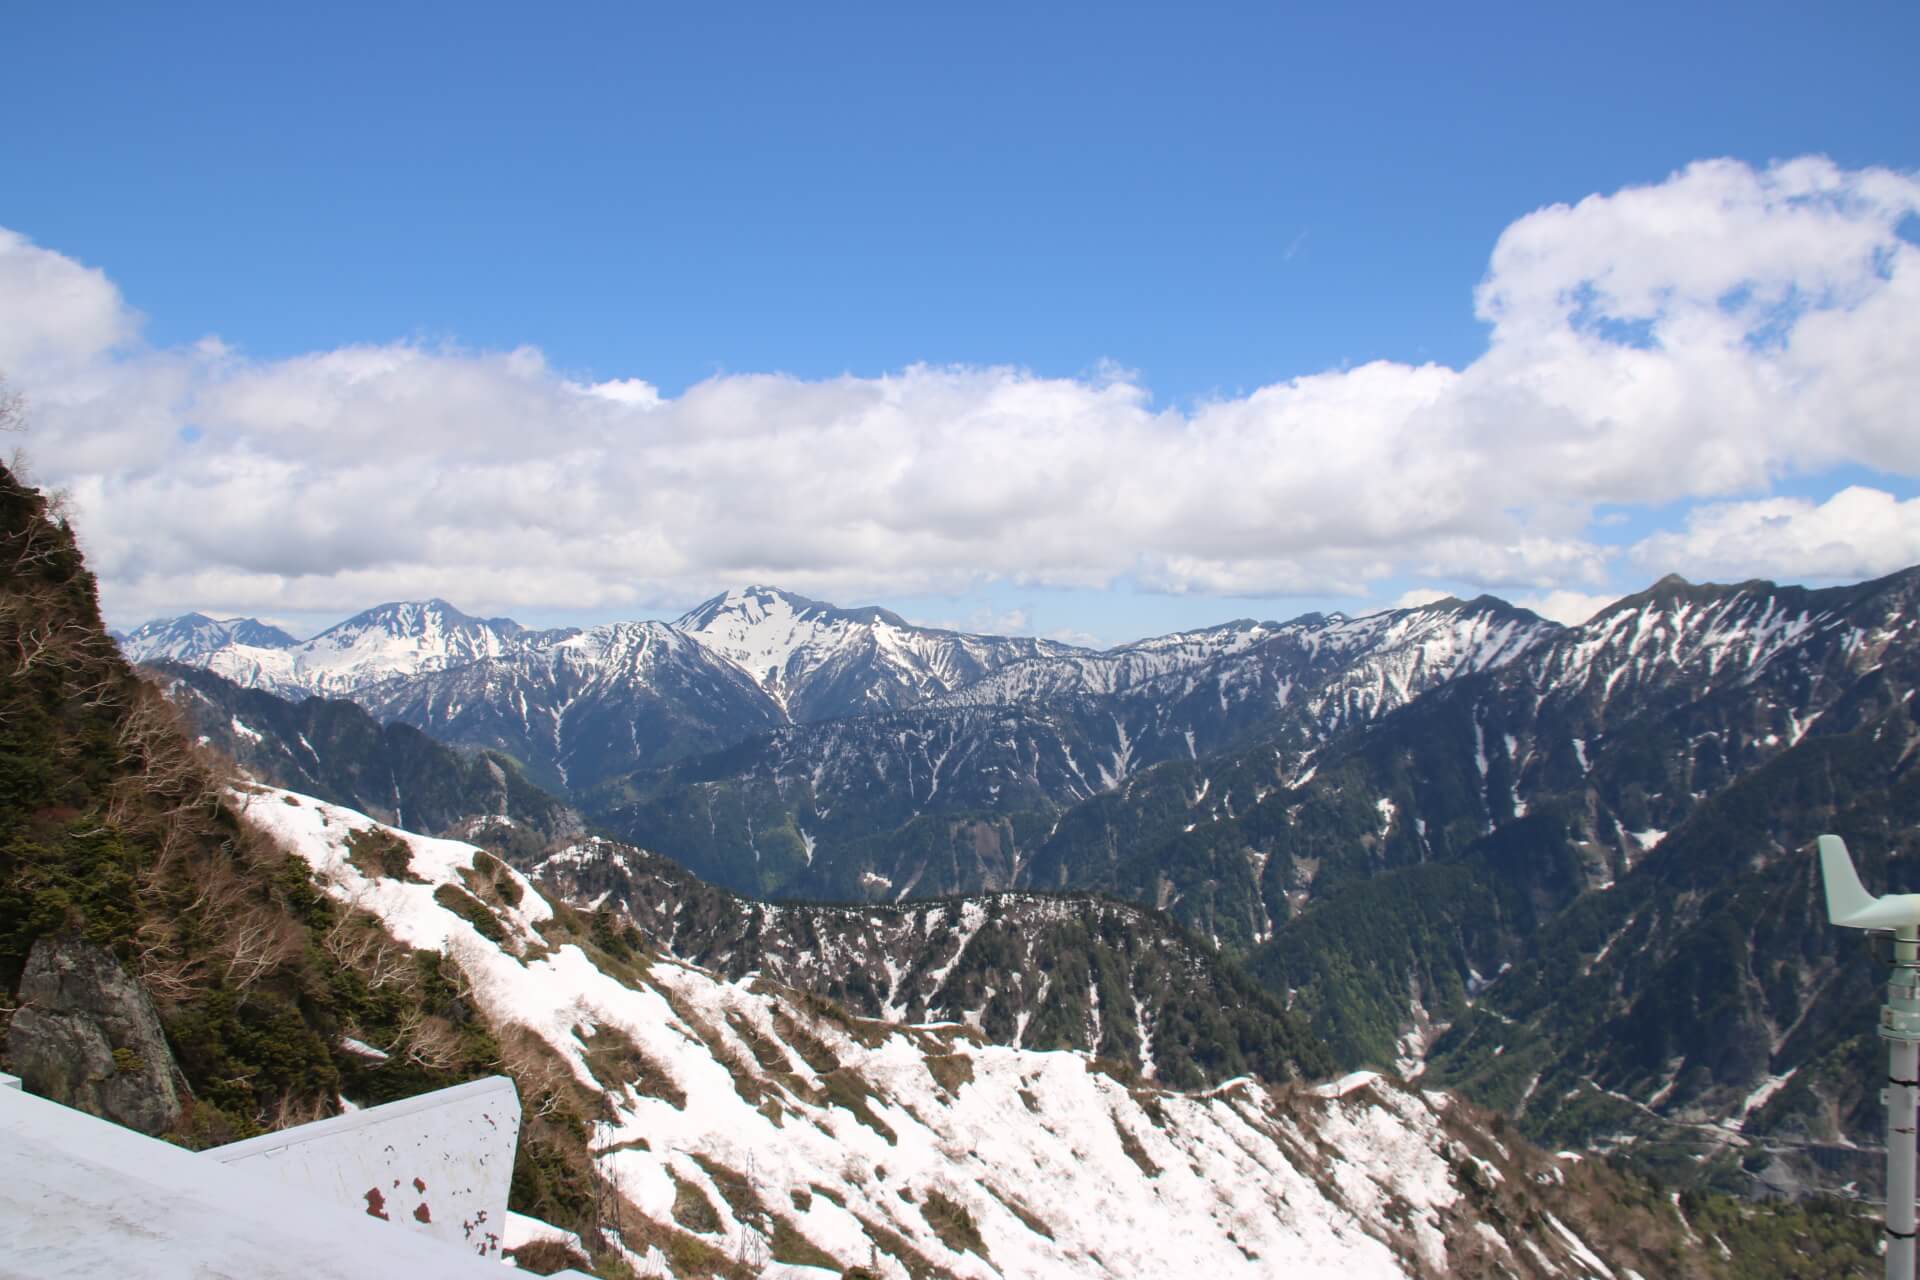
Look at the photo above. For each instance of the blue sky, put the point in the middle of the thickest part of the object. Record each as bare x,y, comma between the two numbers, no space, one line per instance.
1199,202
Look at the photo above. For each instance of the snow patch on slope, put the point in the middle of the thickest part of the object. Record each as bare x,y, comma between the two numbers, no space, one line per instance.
1235,1181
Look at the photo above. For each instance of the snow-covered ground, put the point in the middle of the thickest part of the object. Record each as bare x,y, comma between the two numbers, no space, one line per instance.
784,641
1062,1169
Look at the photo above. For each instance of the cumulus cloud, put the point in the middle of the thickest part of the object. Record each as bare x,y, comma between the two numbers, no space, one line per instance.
1860,532
1414,597
60,314
992,622
1694,339
1570,607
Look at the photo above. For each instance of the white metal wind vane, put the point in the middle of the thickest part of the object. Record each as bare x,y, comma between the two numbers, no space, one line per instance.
1898,914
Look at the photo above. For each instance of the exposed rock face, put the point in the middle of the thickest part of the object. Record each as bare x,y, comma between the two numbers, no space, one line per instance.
88,1036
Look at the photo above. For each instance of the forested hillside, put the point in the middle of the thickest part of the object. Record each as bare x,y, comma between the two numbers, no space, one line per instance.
334,749
1044,971
1035,971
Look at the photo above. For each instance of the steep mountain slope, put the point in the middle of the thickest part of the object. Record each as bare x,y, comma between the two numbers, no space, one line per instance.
775,1129
1042,972
819,661
194,637
1704,1005
185,975
389,641
917,802
596,704
1502,816
1023,970
335,750
966,793
1342,669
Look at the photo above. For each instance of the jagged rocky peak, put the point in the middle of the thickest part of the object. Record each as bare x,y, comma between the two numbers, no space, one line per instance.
1484,603
259,634
779,637
401,638
819,660
416,619
618,642
758,605
1706,634
1484,609
192,636
1674,592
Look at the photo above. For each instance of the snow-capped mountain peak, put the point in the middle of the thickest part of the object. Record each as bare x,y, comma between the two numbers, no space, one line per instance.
820,660
760,606
1700,635
427,621
1386,657
775,636
401,638
190,637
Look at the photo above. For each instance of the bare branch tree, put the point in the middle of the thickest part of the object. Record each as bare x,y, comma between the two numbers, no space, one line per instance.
13,407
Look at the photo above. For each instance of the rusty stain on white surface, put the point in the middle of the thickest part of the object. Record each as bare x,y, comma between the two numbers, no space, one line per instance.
440,1163
84,1198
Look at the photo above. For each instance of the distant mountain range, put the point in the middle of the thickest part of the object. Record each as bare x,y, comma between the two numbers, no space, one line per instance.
812,660
1562,865
386,642
581,707
193,636
200,957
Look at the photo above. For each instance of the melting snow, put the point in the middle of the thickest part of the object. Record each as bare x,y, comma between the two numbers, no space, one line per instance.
1346,1084
1760,1096
1245,1185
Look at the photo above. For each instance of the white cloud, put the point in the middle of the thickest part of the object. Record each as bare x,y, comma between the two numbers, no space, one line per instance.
991,622
624,391
75,314
1694,339
1075,636
1570,607
1857,533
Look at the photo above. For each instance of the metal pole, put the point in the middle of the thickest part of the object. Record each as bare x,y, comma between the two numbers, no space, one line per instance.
1900,1027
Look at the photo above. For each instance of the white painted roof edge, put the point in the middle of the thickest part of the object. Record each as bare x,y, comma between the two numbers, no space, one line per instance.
82,1193
370,1116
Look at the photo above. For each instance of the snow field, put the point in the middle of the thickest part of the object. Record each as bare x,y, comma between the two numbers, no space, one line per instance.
1063,1170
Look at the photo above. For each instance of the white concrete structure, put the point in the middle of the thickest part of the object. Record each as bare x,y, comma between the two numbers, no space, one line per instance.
440,1163
83,1197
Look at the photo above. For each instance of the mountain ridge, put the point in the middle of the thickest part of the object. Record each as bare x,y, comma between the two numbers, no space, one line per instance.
194,635
304,956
